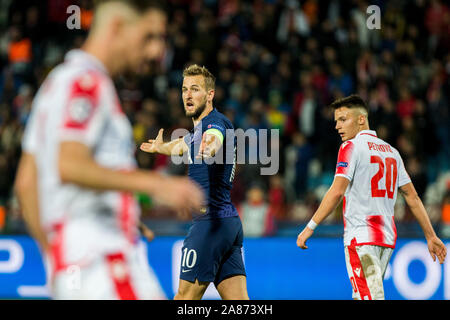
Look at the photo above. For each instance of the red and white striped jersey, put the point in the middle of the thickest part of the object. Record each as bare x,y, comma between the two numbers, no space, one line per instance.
78,102
375,170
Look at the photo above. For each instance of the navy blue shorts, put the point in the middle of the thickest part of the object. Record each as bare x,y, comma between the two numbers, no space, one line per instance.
212,250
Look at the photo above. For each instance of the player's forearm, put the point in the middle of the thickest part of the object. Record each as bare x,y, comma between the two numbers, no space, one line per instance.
28,202
329,203
170,148
88,174
77,166
25,187
417,208
420,213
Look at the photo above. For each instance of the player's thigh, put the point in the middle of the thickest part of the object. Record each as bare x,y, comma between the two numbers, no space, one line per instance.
90,282
205,248
385,257
191,290
233,288
231,281
365,271
143,278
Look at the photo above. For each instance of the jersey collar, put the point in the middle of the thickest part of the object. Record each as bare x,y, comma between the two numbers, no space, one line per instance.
82,57
199,125
367,132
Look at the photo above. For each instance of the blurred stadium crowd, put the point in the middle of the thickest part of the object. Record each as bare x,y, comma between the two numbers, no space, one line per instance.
279,64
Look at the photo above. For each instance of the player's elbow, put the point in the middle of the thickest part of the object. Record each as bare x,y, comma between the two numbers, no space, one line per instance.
66,170
73,161
336,193
339,195
26,176
410,194
21,185
412,198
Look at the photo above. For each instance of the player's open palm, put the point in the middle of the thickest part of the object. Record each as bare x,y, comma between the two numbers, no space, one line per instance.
437,248
153,145
208,147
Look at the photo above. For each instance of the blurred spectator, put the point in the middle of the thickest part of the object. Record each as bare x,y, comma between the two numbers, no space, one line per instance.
406,103
277,198
299,154
255,213
445,228
293,21
19,48
278,64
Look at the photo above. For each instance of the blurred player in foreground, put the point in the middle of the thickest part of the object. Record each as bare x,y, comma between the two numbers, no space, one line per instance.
77,174
368,173
212,250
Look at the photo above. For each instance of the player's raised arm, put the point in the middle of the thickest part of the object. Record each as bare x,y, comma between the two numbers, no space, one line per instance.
26,189
435,245
211,143
329,203
157,145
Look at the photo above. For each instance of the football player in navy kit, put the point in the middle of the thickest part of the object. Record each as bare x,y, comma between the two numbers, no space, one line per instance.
212,250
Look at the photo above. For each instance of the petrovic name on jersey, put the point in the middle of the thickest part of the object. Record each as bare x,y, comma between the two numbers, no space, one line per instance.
379,147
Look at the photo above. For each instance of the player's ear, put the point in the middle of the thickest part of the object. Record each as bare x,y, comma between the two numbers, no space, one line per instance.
211,95
116,24
361,119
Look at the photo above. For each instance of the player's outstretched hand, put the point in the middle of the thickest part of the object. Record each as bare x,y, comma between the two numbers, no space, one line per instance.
209,146
179,193
437,248
146,232
303,236
153,145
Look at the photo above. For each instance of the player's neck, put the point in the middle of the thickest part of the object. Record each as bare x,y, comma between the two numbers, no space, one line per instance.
208,109
362,128
96,49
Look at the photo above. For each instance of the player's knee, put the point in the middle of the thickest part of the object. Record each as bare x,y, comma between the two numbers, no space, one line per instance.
190,291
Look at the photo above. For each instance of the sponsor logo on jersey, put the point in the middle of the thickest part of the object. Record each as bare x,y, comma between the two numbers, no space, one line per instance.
342,164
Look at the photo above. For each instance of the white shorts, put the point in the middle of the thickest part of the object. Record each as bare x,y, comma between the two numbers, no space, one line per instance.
366,265
122,275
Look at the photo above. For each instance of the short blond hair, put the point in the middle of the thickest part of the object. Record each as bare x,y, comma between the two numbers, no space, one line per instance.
196,70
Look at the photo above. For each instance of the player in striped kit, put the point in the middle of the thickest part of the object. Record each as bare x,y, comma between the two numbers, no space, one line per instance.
77,173
368,174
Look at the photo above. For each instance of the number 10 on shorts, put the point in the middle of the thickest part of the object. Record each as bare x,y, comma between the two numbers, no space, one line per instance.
189,258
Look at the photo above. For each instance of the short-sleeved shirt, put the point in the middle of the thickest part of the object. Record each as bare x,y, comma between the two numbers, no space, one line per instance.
78,102
215,176
375,170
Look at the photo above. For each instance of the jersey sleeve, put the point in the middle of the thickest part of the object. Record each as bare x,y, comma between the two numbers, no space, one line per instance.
85,112
30,136
403,176
216,128
347,160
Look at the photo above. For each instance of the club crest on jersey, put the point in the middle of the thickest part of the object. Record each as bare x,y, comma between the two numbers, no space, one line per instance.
80,109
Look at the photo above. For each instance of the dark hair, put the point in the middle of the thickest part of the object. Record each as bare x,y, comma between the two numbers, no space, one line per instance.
352,101
139,6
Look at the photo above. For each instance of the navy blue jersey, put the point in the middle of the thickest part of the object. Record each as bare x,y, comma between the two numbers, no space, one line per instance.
215,175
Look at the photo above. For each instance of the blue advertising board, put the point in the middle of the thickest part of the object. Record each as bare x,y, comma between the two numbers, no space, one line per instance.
276,269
